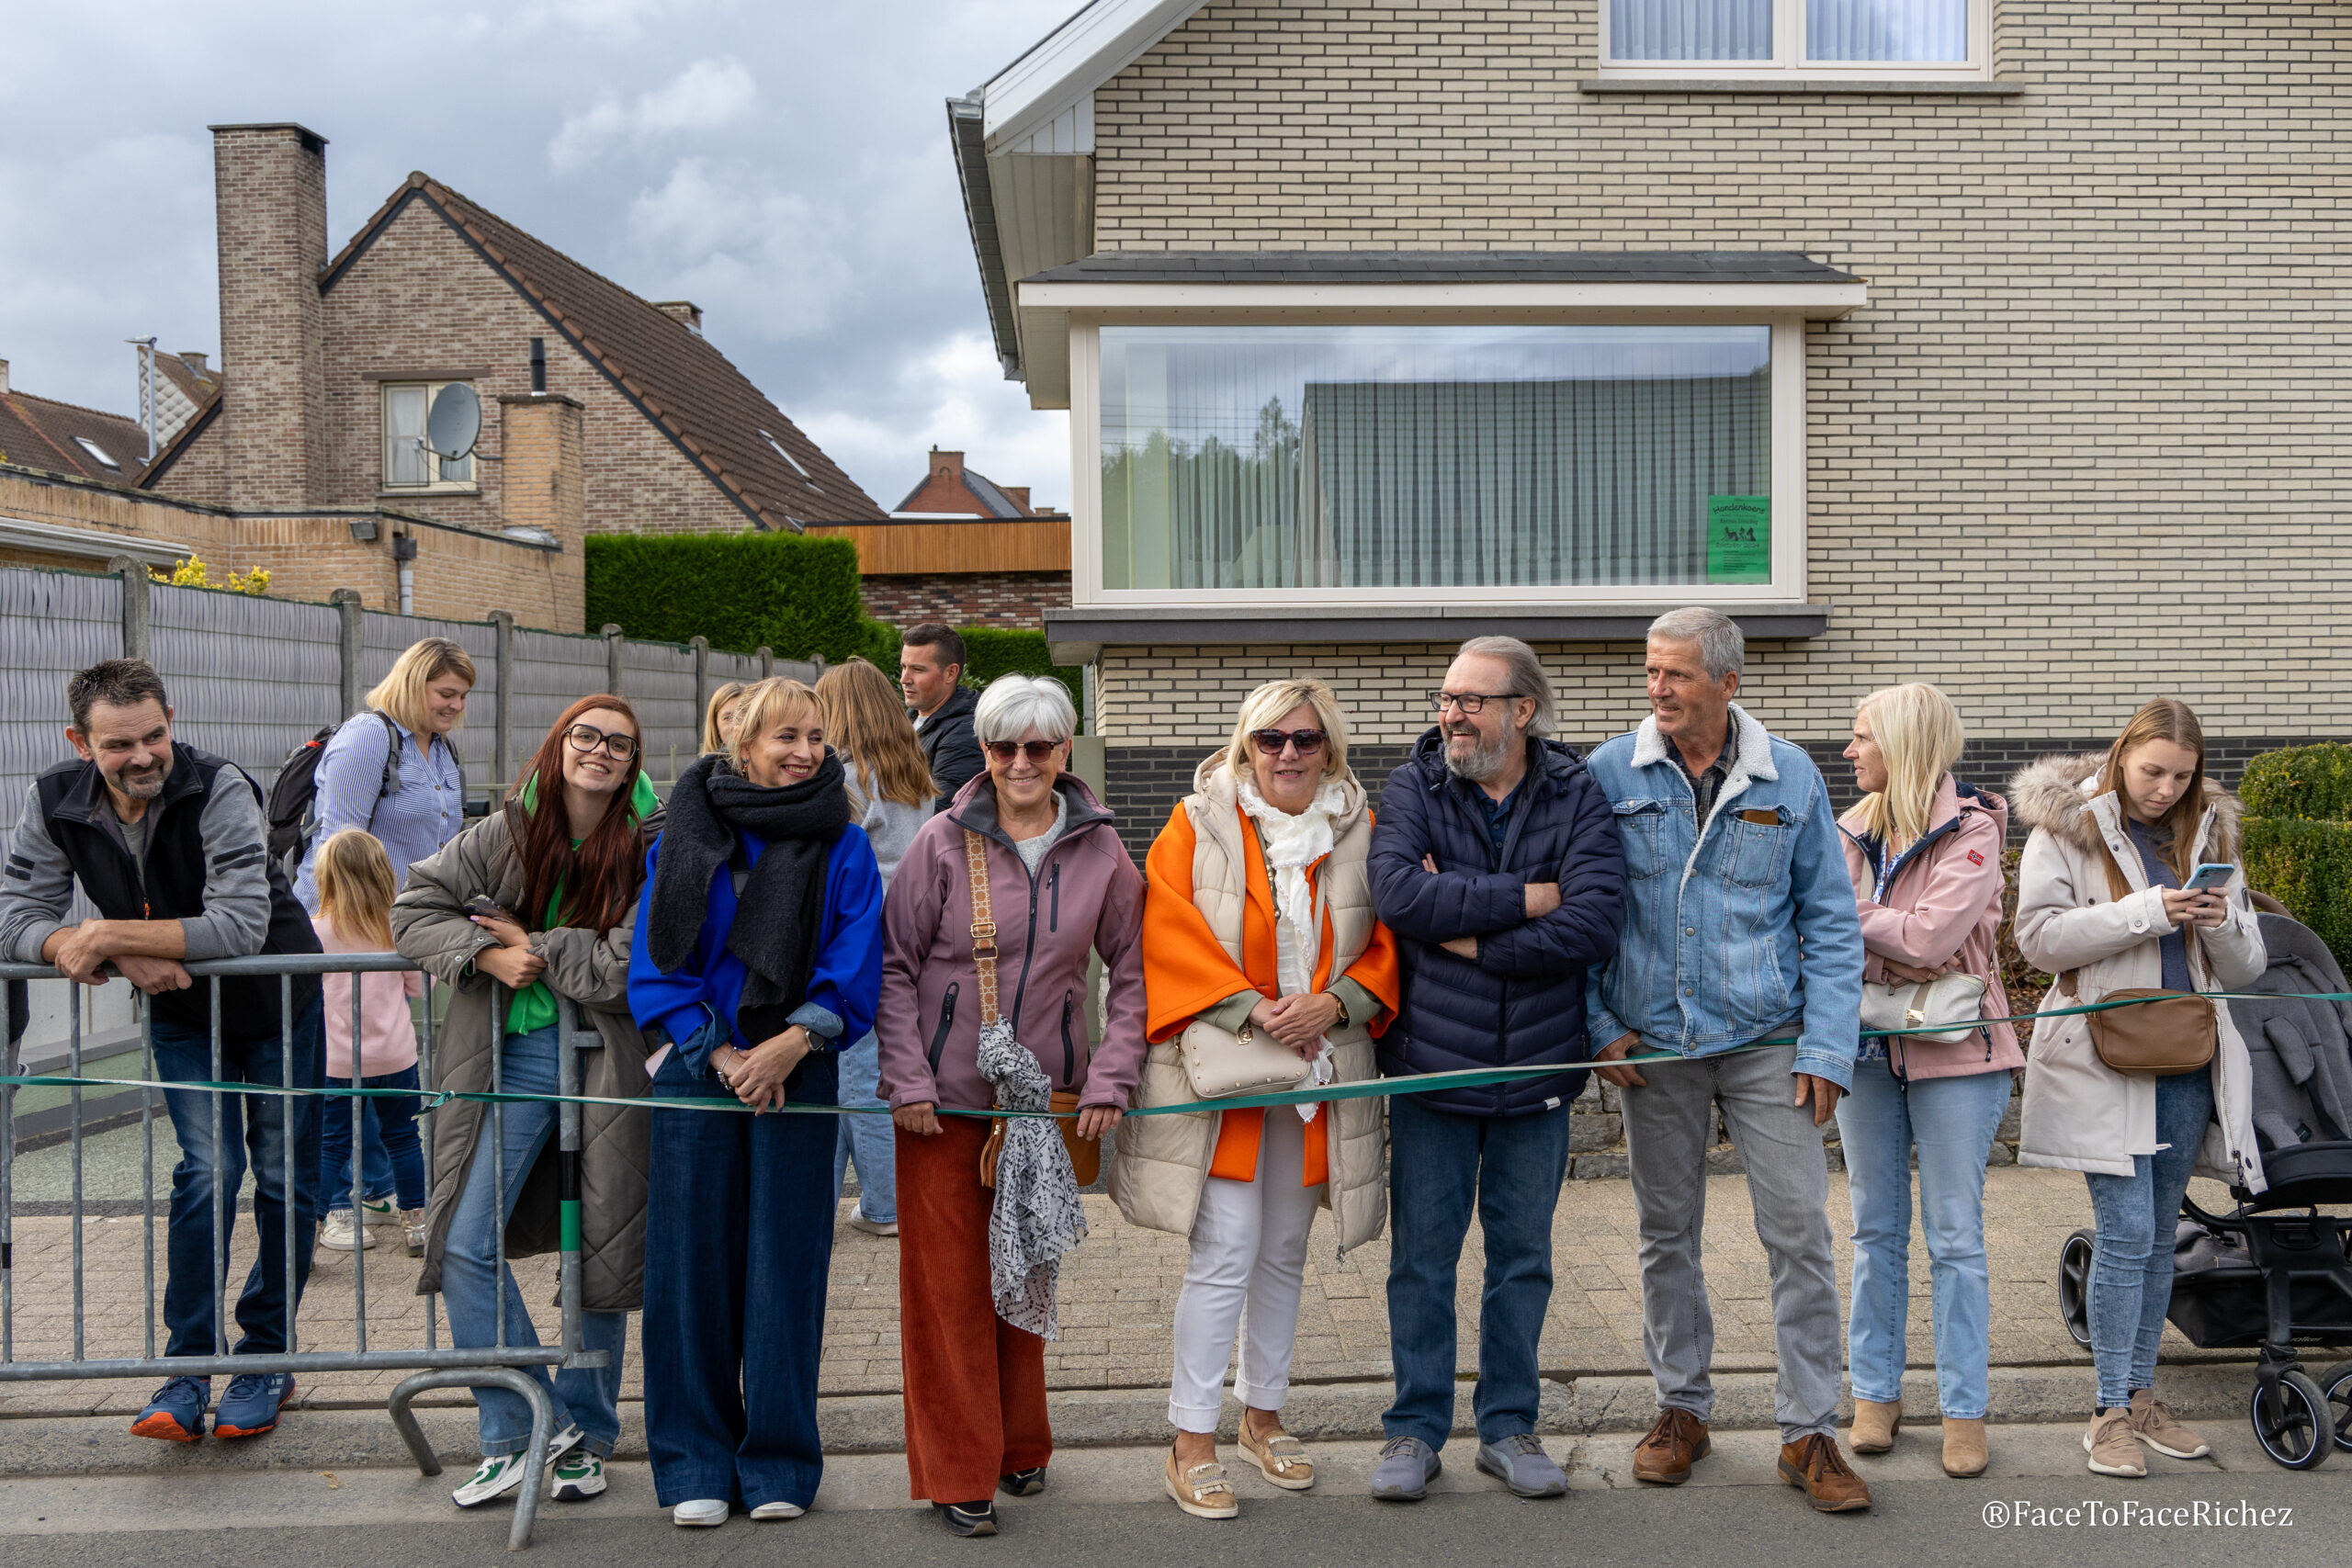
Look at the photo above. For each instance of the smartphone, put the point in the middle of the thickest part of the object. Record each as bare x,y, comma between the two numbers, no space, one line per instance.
2209,877
488,908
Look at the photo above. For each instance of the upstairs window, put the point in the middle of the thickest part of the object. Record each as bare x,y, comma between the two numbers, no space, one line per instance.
409,463
1820,39
98,453
793,463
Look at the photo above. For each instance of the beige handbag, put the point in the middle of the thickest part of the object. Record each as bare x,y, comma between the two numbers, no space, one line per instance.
2172,1032
1085,1154
1947,1008
1222,1064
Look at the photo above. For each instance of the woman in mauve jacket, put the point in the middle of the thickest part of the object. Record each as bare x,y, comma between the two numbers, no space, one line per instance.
1924,852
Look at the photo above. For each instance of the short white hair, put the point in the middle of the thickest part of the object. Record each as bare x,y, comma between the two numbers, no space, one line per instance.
1014,705
1722,649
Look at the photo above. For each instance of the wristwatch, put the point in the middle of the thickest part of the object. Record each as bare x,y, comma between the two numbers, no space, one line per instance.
1341,1003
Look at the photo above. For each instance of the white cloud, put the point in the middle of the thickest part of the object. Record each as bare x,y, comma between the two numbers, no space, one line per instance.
951,393
770,261
709,95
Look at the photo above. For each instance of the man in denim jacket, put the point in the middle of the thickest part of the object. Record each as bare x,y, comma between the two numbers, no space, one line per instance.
1739,927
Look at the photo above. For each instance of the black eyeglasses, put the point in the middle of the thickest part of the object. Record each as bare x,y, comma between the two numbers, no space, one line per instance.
1468,701
586,738
1035,751
1271,741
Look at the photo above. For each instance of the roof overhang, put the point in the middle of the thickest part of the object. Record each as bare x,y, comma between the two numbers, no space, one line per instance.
1079,634
91,544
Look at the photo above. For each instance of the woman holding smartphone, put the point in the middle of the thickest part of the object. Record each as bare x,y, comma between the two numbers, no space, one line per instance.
2104,904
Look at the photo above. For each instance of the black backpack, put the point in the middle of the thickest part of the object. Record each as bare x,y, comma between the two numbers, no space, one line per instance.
292,821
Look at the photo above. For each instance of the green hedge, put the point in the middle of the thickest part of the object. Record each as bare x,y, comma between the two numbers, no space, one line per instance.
2298,837
794,594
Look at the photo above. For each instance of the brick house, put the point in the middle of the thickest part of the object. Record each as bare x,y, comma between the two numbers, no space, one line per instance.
964,550
1914,345
601,411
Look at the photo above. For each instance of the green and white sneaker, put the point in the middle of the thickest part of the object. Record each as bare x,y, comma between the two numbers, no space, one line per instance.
378,1211
501,1473
579,1476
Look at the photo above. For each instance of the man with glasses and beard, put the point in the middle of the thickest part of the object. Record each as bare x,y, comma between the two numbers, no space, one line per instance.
169,844
1496,864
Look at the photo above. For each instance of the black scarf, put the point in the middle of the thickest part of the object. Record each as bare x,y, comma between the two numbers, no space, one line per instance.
782,904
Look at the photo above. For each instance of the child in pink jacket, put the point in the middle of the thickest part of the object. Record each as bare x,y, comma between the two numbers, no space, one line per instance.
355,888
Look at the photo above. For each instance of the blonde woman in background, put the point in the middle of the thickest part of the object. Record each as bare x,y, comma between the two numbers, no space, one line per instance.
1924,851
891,796
389,771
718,717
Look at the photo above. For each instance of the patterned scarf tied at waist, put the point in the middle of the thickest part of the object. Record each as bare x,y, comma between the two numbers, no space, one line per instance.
1037,1216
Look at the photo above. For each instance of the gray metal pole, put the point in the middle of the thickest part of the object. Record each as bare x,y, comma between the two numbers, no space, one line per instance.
351,648
767,661
701,645
504,681
136,640
612,657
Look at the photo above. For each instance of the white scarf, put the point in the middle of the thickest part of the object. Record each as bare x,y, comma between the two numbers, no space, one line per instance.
1292,843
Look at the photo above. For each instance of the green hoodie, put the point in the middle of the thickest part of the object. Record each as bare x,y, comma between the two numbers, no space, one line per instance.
533,1006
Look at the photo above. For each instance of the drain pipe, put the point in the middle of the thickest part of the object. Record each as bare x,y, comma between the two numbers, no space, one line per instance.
404,552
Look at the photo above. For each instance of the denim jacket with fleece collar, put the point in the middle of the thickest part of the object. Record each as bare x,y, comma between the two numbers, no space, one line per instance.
1736,924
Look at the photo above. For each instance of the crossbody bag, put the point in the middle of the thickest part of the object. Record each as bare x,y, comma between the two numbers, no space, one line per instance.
1085,1154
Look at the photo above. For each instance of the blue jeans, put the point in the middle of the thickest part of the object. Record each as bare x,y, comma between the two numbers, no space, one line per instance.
390,1160
2137,1216
869,1138
739,1240
1951,1122
472,1283
1440,1167
254,1125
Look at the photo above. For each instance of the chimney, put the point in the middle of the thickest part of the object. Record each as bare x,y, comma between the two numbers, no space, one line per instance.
682,310
194,359
543,489
1018,495
947,465
4,378
270,189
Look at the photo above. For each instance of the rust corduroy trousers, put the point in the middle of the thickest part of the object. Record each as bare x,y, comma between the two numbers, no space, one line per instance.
975,1384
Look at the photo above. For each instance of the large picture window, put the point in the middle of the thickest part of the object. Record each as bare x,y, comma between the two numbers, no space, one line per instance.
1445,459
1826,36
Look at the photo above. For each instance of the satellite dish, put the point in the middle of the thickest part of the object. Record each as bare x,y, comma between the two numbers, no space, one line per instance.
455,423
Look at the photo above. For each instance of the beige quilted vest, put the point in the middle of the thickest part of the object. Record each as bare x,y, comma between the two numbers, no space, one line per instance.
1160,1163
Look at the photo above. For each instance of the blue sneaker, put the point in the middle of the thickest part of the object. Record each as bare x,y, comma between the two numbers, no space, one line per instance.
1407,1467
176,1413
252,1403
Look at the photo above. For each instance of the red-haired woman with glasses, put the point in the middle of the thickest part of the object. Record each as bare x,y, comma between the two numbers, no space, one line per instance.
1259,919
541,897
976,1301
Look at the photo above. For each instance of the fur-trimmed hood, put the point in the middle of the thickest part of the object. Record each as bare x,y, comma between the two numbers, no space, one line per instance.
2057,794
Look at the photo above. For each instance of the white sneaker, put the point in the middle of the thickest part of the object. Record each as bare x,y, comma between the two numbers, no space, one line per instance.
501,1473
379,1210
339,1234
700,1513
778,1510
579,1476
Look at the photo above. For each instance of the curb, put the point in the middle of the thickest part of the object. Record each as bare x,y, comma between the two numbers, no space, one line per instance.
346,1439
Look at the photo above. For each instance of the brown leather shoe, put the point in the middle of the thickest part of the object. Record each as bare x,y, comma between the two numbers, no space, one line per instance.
1665,1456
1830,1485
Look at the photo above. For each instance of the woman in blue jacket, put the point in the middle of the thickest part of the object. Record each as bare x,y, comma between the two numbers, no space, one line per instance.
758,952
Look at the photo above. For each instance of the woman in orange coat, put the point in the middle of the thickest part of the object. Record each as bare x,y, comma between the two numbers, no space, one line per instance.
1257,917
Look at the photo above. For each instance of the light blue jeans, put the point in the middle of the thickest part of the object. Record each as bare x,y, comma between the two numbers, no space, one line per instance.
1951,1122
867,1138
2138,1216
471,1284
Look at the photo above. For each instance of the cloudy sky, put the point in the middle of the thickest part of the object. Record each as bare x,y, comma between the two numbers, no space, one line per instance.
782,162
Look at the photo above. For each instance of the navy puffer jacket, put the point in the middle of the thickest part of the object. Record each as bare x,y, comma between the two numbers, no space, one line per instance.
1521,1002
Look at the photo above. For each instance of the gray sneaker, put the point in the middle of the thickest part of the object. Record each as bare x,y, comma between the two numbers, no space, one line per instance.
1521,1463
1407,1467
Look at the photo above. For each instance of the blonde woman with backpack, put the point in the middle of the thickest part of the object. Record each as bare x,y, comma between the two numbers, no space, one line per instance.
2106,903
1924,851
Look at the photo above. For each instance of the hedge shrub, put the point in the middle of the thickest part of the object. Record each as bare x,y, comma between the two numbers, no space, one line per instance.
1012,651
2298,837
786,592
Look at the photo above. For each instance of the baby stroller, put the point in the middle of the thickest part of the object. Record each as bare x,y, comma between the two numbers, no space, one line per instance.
2273,1271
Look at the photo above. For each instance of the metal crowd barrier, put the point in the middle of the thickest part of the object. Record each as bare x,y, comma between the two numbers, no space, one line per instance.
437,1366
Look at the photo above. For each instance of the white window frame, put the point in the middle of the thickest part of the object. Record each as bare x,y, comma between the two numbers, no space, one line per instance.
1788,62
1788,459
435,485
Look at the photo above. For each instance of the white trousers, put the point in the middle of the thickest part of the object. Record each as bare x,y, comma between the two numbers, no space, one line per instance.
1247,1268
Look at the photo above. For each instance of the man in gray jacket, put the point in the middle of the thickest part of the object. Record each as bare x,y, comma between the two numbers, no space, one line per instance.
169,844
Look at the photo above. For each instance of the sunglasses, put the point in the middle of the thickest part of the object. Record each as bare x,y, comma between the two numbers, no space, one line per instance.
1035,751
1271,741
586,738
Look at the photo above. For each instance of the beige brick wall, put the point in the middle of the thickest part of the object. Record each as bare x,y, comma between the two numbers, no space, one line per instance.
2085,446
271,186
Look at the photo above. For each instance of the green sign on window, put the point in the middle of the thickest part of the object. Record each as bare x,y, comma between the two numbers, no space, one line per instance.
1739,539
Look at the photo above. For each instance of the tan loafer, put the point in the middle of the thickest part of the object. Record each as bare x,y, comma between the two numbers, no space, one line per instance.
1282,1458
1875,1425
1203,1491
1964,1450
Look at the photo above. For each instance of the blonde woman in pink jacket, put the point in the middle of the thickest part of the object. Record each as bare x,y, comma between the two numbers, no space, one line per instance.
1925,853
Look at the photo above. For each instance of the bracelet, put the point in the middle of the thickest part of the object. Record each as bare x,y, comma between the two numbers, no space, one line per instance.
1341,1003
